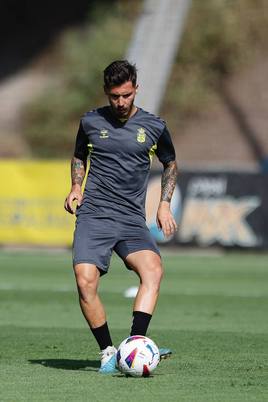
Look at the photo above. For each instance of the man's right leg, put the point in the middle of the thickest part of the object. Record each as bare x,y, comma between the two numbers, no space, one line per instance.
87,279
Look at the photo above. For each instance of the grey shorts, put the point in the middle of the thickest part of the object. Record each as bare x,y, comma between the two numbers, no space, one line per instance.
95,238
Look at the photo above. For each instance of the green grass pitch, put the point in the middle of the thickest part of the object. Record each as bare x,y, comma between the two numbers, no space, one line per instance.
212,312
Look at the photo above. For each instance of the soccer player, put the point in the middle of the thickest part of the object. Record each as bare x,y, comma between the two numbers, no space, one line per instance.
119,140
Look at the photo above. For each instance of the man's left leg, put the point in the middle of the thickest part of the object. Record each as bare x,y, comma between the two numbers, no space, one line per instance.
148,266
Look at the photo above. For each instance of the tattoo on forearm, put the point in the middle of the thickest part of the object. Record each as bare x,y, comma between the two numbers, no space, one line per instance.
78,171
168,181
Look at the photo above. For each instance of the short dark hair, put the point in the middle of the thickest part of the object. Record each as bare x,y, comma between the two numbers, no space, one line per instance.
119,72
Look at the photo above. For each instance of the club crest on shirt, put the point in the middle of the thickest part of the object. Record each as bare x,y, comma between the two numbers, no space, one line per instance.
104,133
141,135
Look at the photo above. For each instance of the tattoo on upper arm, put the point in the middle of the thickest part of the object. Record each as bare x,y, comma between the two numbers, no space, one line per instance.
168,181
78,170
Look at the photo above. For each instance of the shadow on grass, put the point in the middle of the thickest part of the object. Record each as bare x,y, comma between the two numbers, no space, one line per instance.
68,364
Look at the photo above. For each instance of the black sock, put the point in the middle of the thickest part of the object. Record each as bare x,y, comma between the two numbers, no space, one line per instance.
102,335
140,323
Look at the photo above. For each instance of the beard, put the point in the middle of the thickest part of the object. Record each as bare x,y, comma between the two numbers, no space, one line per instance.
123,112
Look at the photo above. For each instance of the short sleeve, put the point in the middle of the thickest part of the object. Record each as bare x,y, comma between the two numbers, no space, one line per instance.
165,149
81,148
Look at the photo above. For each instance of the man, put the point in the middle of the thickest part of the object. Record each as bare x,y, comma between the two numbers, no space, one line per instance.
120,140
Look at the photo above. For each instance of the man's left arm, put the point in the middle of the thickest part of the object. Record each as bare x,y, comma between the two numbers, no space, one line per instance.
165,219
167,156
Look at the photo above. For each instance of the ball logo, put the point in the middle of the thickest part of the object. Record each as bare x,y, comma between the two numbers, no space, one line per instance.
148,346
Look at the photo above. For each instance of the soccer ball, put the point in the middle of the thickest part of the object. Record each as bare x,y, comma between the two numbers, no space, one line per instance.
137,356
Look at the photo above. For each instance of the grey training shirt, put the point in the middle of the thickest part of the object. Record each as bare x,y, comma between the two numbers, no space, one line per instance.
120,157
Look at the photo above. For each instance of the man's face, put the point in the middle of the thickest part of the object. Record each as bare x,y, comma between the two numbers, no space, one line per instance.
121,99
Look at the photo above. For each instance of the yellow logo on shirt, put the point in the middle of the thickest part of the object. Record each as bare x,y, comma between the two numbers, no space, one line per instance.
90,149
141,135
104,133
152,152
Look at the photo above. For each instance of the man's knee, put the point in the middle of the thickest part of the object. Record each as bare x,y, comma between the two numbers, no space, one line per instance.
158,274
87,279
152,273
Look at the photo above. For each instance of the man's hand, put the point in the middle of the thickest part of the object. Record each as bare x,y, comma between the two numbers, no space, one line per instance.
165,220
75,195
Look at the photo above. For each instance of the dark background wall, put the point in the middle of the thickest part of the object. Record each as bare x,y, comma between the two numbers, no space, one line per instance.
27,27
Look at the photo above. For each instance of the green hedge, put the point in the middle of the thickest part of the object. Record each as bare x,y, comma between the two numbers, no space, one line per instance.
221,38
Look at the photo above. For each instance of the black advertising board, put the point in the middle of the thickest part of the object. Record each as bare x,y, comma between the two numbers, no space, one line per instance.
219,208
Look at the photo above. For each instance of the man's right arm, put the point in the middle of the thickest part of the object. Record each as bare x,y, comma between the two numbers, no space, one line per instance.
78,171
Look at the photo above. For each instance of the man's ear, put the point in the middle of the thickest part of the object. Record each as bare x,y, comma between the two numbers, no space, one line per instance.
136,89
105,90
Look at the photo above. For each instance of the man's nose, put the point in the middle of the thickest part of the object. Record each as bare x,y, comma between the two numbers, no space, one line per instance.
120,101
